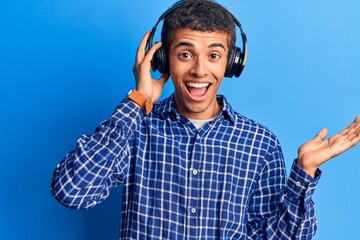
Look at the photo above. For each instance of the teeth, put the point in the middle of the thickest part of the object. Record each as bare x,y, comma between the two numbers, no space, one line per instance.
197,85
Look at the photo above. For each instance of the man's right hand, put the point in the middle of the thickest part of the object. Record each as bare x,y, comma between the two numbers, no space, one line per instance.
145,84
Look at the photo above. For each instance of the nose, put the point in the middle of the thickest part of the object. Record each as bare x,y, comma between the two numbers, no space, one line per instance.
199,67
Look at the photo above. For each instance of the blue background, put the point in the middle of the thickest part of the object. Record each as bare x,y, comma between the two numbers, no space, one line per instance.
64,66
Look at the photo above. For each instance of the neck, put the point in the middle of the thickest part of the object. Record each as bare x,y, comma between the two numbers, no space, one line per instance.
198,111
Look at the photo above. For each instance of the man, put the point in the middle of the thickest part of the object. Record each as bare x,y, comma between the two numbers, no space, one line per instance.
192,167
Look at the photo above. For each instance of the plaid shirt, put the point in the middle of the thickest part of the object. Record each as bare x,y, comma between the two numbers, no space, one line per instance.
225,181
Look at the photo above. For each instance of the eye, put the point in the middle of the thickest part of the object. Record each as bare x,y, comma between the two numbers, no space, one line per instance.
185,55
214,56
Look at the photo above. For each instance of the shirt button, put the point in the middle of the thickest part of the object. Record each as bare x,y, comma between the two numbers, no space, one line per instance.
127,115
297,184
107,143
198,136
178,117
193,210
195,172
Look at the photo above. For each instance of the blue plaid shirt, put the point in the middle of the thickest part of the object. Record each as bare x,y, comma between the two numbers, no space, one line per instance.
224,181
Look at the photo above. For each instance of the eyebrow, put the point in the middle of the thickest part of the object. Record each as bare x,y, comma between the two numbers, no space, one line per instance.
214,45
187,44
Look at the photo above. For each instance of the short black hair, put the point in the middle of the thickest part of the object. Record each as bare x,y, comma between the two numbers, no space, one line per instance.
199,15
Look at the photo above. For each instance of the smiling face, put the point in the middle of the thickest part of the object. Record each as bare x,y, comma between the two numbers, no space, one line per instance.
197,63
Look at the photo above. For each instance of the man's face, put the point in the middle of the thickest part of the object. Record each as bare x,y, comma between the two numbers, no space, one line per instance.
197,63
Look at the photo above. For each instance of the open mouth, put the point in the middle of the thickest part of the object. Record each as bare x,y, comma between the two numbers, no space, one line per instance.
197,90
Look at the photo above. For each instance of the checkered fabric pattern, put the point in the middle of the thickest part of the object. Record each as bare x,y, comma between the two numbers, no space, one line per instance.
224,181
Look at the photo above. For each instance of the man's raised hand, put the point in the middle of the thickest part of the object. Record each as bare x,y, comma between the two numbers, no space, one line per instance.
319,150
145,84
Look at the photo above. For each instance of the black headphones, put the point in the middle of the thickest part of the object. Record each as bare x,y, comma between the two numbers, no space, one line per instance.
236,59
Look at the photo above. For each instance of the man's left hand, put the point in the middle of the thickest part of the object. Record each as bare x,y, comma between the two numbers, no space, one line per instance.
318,150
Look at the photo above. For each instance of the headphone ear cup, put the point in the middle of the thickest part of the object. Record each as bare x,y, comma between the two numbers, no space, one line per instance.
229,64
159,61
234,65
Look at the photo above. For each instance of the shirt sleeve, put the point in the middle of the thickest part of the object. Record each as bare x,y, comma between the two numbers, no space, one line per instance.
99,162
282,208
297,198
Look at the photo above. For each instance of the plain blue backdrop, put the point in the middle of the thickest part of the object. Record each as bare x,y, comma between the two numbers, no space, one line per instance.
64,66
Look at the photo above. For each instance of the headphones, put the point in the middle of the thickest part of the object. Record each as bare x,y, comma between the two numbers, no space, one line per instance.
236,58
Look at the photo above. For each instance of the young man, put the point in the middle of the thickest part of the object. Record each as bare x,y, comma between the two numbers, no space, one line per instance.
192,167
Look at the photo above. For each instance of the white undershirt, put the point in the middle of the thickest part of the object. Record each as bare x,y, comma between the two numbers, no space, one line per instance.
199,123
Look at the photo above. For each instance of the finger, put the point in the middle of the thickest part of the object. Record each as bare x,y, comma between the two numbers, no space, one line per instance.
320,136
352,127
345,131
354,140
355,127
140,54
356,123
357,119
353,134
144,63
152,50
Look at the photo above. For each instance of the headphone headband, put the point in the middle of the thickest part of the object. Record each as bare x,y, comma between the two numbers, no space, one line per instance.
236,61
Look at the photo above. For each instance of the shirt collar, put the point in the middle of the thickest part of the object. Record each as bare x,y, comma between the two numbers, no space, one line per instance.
168,106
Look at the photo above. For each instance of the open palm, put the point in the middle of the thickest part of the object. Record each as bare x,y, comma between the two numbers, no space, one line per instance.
319,150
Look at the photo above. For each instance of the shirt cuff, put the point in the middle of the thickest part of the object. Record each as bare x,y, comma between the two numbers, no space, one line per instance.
127,115
300,184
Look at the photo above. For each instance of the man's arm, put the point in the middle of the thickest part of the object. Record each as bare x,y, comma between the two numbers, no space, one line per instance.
291,214
318,150
282,208
100,161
